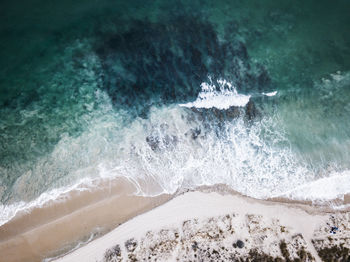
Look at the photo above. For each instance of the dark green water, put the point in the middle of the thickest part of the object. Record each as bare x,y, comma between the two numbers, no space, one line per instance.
91,89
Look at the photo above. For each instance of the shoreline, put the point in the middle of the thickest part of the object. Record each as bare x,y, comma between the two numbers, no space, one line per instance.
92,214
70,222
206,225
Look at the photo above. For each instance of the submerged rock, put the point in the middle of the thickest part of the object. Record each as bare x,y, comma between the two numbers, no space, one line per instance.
161,142
232,112
166,61
153,142
215,114
250,110
195,133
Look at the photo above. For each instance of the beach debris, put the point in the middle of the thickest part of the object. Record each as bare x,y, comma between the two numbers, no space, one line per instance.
260,239
131,245
113,254
332,239
195,246
240,243
284,250
334,230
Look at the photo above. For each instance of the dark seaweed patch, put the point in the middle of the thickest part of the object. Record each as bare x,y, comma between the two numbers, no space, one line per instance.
165,62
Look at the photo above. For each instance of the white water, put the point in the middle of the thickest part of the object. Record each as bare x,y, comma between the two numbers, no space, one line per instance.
7,212
270,93
255,160
223,98
327,188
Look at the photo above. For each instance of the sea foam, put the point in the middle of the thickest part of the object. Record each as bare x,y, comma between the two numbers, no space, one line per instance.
335,186
270,93
255,159
221,95
7,212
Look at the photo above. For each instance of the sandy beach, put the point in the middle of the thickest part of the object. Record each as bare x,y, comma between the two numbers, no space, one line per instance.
101,224
59,227
207,226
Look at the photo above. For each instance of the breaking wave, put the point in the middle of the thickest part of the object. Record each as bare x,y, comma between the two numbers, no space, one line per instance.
223,98
175,103
176,147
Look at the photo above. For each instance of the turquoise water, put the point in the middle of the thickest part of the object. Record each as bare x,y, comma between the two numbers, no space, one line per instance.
94,89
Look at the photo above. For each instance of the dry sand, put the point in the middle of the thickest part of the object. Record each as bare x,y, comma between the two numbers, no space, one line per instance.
206,226
58,227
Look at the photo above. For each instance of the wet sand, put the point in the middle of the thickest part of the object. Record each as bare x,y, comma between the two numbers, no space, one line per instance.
342,204
55,229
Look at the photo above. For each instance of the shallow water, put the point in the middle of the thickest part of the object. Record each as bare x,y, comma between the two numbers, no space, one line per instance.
102,89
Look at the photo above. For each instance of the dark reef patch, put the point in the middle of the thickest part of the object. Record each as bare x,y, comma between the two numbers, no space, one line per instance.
166,62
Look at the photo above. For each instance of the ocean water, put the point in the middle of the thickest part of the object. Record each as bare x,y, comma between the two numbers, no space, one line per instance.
251,94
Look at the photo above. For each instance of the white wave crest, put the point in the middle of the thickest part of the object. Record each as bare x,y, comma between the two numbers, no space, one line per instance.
270,93
328,188
226,97
255,159
7,212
